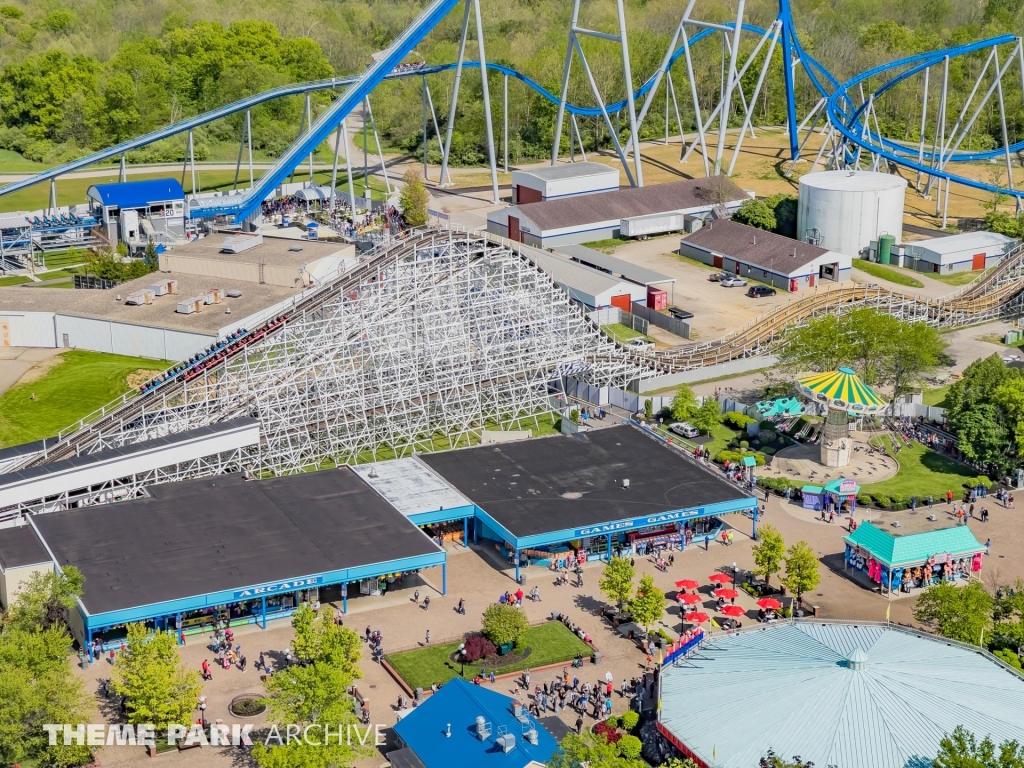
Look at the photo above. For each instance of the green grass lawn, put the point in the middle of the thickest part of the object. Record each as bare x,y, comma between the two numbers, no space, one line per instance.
607,245
14,280
936,396
64,259
623,333
550,643
55,274
923,472
885,273
957,278
13,162
76,386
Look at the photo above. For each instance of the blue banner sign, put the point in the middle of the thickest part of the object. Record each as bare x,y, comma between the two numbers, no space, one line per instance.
281,586
638,522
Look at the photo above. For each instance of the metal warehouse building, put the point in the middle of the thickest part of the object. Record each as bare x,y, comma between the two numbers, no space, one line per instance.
583,218
970,251
750,252
539,184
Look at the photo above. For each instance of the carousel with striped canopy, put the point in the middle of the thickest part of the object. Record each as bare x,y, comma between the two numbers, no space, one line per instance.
844,396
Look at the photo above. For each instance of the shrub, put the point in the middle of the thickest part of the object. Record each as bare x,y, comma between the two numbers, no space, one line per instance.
11,12
768,451
629,720
504,624
744,444
735,456
898,502
1009,657
864,500
479,647
737,420
883,501
767,426
630,747
611,735
613,722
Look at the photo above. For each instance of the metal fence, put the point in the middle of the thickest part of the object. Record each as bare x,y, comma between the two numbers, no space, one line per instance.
670,324
615,315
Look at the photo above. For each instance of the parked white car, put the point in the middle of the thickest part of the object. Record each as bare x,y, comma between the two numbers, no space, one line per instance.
684,429
733,282
640,344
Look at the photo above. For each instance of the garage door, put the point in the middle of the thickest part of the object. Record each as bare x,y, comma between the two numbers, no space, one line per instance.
717,261
622,302
978,262
527,195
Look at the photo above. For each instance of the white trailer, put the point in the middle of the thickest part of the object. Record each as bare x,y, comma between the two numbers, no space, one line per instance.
652,224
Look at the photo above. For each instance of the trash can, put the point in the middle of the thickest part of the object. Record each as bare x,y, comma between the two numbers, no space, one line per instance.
419,694
596,657
522,578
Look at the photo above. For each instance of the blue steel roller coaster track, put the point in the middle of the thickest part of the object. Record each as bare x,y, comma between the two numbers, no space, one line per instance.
845,114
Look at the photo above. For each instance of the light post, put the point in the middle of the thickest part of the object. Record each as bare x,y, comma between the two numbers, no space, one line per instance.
202,713
462,658
735,570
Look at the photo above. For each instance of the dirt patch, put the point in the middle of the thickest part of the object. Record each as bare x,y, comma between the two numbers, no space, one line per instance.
138,378
40,369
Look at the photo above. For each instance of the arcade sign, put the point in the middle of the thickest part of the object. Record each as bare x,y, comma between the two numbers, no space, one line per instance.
281,586
639,522
847,487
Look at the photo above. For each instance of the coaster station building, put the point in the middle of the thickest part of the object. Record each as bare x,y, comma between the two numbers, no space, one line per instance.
173,559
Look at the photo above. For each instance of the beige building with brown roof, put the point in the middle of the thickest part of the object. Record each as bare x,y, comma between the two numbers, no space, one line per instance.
584,218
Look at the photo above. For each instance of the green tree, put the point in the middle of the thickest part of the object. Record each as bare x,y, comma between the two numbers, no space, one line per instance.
413,198
314,692
972,414
648,605
801,570
785,209
44,600
684,404
756,213
149,673
590,751
769,552
914,350
504,624
959,613
617,580
707,416
821,344
1009,398
961,749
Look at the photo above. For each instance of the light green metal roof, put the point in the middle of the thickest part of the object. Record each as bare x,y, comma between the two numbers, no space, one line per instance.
837,695
914,547
815,489
749,461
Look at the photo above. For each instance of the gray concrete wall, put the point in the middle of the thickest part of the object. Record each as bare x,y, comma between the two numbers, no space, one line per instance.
731,368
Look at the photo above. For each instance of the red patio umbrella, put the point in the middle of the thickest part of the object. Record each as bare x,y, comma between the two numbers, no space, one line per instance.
696,617
690,599
720,578
769,603
733,610
687,584
727,593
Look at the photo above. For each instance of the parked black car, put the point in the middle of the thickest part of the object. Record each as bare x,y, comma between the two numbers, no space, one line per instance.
757,291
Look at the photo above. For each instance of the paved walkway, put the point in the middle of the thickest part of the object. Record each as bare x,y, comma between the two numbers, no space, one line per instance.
17,362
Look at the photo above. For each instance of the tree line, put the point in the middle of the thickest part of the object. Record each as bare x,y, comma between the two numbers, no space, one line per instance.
84,75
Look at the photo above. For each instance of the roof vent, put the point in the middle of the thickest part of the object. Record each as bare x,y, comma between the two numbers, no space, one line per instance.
857,660
373,472
295,248
483,728
507,742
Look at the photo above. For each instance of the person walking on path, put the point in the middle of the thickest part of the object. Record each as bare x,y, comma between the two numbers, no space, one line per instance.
988,546
428,638
461,608
416,597
949,497
426,603
579,725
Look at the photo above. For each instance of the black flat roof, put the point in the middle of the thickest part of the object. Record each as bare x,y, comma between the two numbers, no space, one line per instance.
224,533
19,546
555,483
